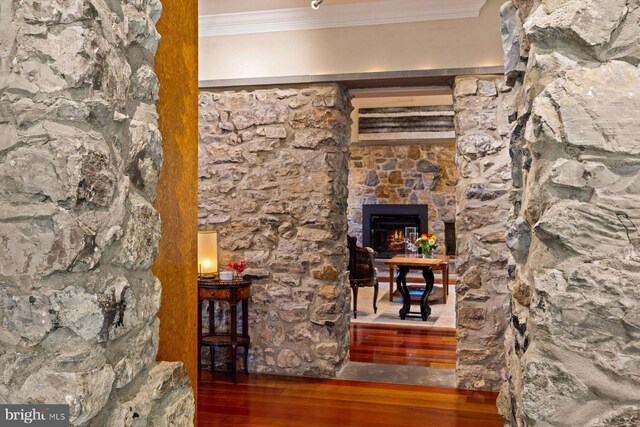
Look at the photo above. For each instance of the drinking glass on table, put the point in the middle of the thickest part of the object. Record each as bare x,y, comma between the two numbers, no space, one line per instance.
411,235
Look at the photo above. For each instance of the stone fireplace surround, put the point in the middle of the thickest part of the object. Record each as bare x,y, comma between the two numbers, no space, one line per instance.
402,173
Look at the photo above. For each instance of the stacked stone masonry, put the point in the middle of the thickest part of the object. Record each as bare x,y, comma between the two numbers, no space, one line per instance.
273,166
80,156
573,347
482,194
403,174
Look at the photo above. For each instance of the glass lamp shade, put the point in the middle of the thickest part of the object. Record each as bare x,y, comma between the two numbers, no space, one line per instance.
207,253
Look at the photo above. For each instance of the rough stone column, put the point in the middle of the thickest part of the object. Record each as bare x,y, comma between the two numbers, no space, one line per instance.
482,199
573,347
273,183
80,154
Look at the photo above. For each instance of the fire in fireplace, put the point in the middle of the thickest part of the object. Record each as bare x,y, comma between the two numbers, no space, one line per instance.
383,226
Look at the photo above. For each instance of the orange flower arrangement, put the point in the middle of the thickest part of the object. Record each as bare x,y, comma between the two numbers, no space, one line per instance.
428,243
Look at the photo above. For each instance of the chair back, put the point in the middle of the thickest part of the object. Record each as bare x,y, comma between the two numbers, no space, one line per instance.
361,267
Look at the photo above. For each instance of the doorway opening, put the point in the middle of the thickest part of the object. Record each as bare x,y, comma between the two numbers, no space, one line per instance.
402,174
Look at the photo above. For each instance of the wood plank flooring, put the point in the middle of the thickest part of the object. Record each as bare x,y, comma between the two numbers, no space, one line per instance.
435,348
263,400
266,401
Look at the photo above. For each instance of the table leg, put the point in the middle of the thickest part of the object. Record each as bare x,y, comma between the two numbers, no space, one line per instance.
401,283
199,335
212,330
245,332
391,277
234,340
425,310
445,283
354,288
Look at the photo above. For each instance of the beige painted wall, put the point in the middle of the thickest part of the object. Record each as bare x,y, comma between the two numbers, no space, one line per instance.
455,43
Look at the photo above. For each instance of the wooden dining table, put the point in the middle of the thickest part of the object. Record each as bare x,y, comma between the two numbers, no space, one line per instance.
403,264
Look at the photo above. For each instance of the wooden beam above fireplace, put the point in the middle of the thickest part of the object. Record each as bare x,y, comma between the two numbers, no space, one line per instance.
434,122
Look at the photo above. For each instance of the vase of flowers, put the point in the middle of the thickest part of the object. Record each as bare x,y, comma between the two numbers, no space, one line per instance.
428,244
237,268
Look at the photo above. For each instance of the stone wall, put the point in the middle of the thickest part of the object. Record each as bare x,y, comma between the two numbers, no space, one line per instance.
573,347
403,174
482,194
80,156
273,167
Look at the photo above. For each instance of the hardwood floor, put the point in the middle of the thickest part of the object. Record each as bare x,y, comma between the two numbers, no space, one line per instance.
263,400
435,348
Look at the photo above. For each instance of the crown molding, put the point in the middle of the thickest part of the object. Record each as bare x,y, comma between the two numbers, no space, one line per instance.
380,79
329,16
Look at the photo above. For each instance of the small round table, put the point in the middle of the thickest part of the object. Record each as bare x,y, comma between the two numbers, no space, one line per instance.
427,265
233,292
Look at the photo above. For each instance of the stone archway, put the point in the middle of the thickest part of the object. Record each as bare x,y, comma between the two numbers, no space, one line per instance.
584,70
273,181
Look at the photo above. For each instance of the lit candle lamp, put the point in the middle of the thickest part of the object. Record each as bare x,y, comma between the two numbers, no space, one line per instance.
207,253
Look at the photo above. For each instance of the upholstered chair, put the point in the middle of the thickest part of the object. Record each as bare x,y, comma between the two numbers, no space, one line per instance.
362,272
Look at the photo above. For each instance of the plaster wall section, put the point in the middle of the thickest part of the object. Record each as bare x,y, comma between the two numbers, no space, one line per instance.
572,347
80,155
428,45
273,166
482,211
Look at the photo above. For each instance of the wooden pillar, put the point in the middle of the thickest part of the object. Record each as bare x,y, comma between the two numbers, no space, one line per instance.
176,65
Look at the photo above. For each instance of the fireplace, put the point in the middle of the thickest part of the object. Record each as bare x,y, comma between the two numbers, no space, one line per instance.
383,226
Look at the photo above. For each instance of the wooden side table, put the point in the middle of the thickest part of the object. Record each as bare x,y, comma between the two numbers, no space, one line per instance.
232,292
443,267
427,265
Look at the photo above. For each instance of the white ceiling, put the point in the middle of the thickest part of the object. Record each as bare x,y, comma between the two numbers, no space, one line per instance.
233,17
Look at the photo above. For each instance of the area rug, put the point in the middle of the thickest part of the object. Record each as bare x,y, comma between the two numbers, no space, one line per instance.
442,315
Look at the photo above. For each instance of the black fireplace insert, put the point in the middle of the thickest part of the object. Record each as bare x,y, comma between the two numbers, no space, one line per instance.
383,226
